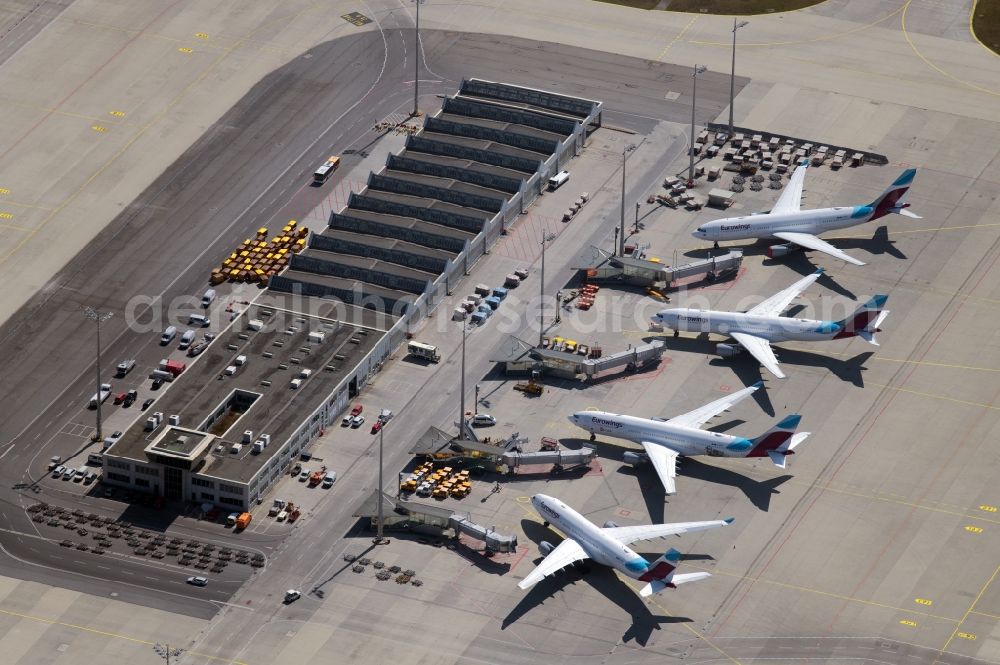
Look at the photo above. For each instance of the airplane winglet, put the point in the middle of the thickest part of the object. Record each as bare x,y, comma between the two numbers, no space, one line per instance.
729,520
819,271
759,384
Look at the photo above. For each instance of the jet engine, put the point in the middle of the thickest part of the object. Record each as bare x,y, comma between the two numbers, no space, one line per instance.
610,525
634,458
728,350
546,547
774,251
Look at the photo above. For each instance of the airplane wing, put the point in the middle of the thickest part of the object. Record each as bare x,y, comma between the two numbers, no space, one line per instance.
568,552
703,414
760,348
791,199
777,303
665,462
627,535
812,242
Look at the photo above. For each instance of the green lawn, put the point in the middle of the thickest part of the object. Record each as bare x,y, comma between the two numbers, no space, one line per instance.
986,24
736,7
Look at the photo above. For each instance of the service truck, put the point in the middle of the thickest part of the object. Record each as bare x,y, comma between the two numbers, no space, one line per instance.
101,395
425,351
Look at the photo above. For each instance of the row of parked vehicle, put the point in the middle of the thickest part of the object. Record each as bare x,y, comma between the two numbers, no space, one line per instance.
83,474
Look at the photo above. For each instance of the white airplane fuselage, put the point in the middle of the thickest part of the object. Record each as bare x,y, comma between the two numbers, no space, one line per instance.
599,546
771,328
685,441
813,222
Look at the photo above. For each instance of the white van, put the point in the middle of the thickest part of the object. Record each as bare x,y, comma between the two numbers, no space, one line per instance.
558,180
207,299
168,335
187,339
198,320
483,420
95,459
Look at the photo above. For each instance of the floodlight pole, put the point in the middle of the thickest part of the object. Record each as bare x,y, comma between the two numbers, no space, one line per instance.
546,237
732,77
381,515
416,62
621,225
461,398
698,69
99,317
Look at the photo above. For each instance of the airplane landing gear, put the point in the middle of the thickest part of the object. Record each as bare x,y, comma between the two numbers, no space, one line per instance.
593,437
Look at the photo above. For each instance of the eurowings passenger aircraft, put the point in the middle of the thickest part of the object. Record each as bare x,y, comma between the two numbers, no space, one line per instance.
609,546
787,221
664,440
760,325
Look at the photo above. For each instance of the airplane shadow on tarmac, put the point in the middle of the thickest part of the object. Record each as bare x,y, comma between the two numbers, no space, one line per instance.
749,372
758,491
602,579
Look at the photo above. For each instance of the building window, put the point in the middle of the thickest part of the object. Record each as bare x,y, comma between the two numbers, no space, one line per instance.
232,489
208,496
231,502
147,470
201,482
141,482
120,477
115,464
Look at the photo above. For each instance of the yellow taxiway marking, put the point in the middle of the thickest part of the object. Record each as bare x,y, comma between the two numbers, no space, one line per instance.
652,600
928,230
945,398
836,596
824,38
678,36
913,47
52,111
928,363
955,633
874,495
104,633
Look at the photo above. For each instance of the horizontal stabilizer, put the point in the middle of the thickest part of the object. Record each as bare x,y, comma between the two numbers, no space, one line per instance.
656,586
907,213
868,337
779,456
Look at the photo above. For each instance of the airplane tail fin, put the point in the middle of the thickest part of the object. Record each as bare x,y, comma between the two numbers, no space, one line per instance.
779,441
865,320
662,574
893,199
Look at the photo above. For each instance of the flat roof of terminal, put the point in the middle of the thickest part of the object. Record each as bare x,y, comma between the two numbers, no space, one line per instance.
405,223
278,409
388,243
484,144
468,164
447,183
512,127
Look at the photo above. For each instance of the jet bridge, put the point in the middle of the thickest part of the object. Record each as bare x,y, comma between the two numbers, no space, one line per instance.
609,267
634,357
414,516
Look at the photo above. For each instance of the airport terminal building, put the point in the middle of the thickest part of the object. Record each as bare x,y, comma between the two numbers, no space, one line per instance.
234,421
231,424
